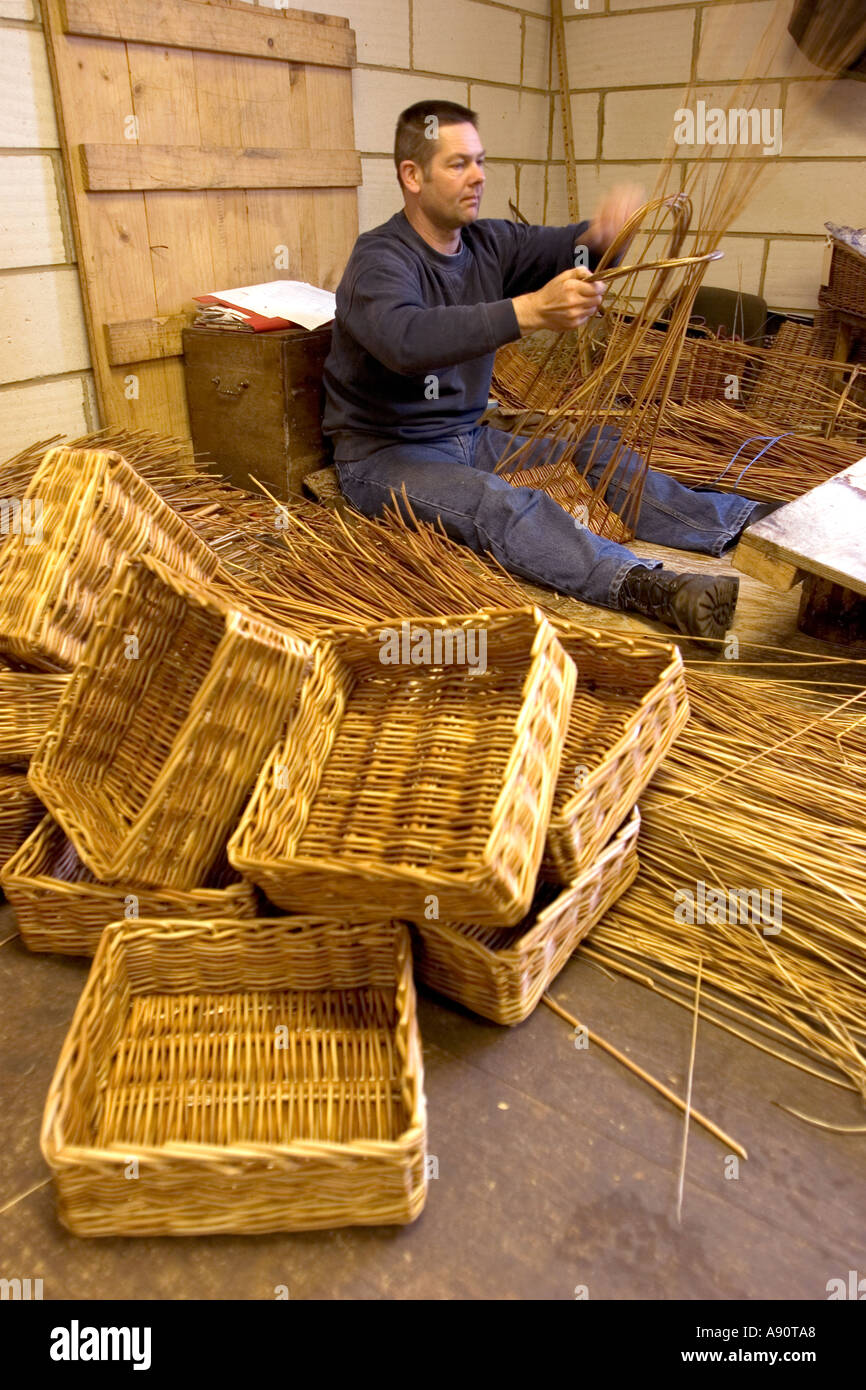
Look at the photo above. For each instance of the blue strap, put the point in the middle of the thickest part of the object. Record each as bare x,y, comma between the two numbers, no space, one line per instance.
753,439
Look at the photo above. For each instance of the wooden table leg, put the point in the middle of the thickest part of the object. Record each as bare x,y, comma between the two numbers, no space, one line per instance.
831,613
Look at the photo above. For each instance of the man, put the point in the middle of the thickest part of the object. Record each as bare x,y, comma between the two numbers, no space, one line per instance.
425,301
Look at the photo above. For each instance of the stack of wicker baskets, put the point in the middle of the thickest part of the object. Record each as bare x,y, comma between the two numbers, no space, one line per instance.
460,790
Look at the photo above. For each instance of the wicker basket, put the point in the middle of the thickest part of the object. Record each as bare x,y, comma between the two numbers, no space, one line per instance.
154,748
630,703
20,811
96,511
502,974
397,781
28,701
61,907
846,286
240,1076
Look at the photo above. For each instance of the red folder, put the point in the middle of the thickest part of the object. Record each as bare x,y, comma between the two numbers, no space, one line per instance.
255,321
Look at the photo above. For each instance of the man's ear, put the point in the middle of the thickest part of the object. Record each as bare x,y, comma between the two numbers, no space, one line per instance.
411,176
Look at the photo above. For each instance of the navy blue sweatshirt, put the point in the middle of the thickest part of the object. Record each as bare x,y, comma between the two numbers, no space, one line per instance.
416,330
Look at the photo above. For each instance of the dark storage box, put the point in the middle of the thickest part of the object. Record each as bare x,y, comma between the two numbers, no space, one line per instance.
255,403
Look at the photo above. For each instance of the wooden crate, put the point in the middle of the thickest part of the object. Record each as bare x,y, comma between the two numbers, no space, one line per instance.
255,403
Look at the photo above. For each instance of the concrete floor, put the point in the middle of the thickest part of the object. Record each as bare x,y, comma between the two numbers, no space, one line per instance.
557,1168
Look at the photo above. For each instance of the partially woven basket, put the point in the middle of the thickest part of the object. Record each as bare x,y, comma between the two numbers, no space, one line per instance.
165,724
20,811
630,702
240,1076
60,907
28,701
502,974
398,781
95,511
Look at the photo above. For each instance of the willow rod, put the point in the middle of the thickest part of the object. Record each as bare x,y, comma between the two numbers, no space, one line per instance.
657,1085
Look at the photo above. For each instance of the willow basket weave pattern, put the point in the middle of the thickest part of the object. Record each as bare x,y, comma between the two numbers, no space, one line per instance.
60,907
846,288
154,748
395,781
28,701
20,811
630,702
96,511
502,974
257,1076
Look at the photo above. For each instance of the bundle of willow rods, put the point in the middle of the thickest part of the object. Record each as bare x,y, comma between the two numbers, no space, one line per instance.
356,570
764,790
712,443
716,187
296,562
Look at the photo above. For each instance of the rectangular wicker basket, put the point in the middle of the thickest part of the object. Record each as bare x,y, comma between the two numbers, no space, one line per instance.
240,1076
630,702
397,781
95,511
60,906
846,287
155,745
20,811
502,974
28,700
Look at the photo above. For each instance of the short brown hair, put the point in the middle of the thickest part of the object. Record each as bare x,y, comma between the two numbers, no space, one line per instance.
416,135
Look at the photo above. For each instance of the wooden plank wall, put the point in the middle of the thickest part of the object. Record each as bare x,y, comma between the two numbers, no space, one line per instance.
206,144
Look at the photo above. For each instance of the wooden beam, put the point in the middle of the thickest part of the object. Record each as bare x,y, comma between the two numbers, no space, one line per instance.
565,108
297,36
750,558
143,340
128,167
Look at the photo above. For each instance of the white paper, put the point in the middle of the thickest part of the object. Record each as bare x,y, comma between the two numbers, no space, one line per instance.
284,299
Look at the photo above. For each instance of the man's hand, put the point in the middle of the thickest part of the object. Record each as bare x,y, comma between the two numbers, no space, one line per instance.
611,215
564,302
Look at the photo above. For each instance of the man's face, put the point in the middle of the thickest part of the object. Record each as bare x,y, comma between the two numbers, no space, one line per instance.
450,189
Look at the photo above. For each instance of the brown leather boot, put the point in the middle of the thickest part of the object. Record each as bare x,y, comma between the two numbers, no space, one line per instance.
699,605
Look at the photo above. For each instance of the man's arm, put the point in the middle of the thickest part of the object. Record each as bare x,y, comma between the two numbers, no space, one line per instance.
532,256
384,312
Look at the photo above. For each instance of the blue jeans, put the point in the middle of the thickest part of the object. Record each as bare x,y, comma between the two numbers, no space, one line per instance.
452,480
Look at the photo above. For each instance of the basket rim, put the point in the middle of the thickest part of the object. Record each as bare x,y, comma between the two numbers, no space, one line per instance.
18,880
672,676
243,844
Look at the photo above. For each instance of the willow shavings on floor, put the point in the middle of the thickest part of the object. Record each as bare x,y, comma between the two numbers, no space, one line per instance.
645,1076
753,856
